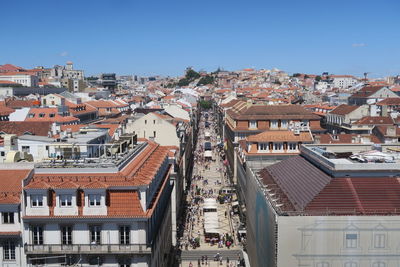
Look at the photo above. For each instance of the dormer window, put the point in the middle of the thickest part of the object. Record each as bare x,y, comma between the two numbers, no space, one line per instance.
65,200
41,115
52,115
31,115
37,200
94,200
253,124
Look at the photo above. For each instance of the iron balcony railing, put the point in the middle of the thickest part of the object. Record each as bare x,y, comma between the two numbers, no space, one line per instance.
89,249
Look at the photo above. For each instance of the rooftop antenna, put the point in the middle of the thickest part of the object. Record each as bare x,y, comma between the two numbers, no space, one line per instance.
365,75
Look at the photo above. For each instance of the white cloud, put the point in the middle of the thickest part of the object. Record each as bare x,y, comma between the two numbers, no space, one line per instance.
64,54
358,45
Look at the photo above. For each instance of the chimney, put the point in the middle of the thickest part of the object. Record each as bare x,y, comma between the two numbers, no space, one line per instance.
384,112
54,129
391,130
249,103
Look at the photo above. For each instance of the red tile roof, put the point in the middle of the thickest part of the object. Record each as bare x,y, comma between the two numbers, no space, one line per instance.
10,67
245,111
345,138
5,111
280,136
344,109
46,116
24,127
369,120
11,185
359,195
390,101
124,203
299,180
366,91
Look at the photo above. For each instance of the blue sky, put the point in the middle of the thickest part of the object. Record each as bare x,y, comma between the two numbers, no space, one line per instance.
163,37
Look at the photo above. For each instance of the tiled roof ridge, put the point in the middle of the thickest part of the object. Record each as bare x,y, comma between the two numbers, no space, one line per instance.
143,157
151,165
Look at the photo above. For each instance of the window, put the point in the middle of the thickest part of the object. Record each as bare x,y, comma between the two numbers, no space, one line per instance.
253,124
274,124
351,264
379,240
322,264
36,200
65,200
124,262
52,115
8,217
66,235
94,200
41,115
351,240
124,234
31,115
25,149
97,261
95,234
379,264
9,250
37,235
2,153
292,146
154,121
284,124
145,121
277,146
154,133
263,146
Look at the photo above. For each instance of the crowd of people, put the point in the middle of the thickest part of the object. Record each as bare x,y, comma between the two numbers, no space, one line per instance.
206,185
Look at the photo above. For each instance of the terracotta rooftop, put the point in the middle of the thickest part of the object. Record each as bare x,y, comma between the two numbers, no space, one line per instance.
369,120
5,111
390,101
303,187
346,138
366,91
11,185
378,195
122,202
50,115
18,103
10,67
24,127
245,111
298,179
344,109
280,136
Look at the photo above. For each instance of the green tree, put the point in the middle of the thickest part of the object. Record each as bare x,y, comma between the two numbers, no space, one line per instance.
208,79
318,78
205,104
183,82
192,75
296,75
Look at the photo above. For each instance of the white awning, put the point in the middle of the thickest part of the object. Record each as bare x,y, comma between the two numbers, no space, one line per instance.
208,154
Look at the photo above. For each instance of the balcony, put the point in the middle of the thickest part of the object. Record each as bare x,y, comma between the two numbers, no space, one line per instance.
88,249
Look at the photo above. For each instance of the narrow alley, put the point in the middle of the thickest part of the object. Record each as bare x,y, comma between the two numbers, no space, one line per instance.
210,226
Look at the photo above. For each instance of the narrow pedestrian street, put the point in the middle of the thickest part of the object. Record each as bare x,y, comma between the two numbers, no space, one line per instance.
211,222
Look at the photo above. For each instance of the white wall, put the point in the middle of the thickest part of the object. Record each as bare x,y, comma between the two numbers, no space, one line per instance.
309,240
145,127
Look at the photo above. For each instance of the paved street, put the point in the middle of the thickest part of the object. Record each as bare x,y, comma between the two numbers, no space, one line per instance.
209,177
